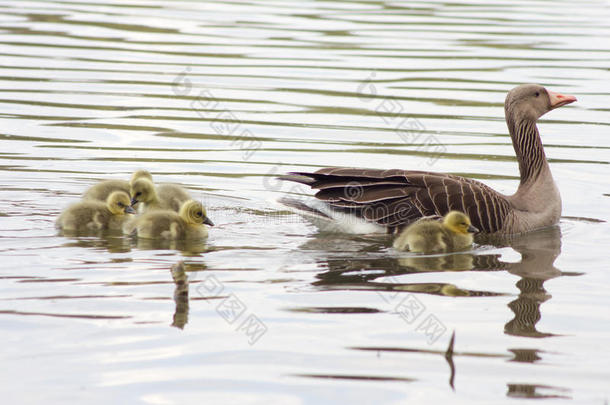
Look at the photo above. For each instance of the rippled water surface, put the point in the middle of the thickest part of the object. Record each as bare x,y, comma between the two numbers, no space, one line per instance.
224,96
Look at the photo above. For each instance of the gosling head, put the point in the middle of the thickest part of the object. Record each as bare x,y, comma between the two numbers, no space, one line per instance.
118,203
532,101
142,190
193,213
459,222
140,174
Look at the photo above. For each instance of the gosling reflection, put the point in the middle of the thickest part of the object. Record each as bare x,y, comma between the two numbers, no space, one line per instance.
113,242
181,295
452,262
188,247
361,274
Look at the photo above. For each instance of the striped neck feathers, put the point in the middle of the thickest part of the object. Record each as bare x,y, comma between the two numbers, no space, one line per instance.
528,148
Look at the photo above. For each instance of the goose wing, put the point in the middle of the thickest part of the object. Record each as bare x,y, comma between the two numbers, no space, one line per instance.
395,198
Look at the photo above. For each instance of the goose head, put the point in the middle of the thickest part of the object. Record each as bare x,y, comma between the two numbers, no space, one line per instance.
119,203
193,213
143,190
140,174
532,101
459,222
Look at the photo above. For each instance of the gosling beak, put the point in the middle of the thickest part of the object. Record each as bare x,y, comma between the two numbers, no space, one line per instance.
558,100
207,221
472,229
129,210
133,201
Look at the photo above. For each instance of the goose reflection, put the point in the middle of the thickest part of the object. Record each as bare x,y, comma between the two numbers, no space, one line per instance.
538,250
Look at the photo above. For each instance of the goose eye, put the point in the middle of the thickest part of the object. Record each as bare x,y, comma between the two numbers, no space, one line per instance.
120,204
199,213
537,93
139,193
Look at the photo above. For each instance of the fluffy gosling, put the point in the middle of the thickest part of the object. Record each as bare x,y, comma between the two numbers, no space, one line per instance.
162,197
169,225
103,189
431,236
93,215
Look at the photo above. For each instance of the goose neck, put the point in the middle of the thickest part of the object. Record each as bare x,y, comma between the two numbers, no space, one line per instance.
528,148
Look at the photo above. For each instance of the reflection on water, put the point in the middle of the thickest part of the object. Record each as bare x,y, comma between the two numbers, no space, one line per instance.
181,295
113,243
119,243
525,355
188,247
533,391
538,253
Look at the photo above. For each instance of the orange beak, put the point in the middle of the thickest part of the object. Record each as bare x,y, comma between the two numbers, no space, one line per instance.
558,100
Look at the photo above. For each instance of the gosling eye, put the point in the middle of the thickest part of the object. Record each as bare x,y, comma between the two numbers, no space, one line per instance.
139,193
199,213
120,204
537,93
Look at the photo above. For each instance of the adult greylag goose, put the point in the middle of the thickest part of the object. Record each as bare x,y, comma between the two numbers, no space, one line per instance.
390,199
451,234
104,188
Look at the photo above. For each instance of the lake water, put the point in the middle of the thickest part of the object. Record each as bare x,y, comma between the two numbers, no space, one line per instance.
224,96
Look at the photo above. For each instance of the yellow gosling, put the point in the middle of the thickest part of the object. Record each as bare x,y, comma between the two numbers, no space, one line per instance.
140,174
169,225
103,189
162,197
93,215
454,233
143,191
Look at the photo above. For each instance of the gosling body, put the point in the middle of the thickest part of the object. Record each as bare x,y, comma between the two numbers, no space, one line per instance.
454,233
93,215
189,223
103,189
172,196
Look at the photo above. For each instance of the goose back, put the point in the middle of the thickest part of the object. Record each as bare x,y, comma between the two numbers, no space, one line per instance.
395,198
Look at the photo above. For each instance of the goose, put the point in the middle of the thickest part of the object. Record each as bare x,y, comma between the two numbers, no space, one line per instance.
164,196
96,215
102,190
389,200
431,236
169,225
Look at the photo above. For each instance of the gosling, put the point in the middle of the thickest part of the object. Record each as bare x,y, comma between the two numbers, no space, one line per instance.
169,225
92,215
430,236
162,197
103,189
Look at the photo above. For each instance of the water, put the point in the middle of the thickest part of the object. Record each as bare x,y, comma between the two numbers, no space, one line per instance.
222,97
